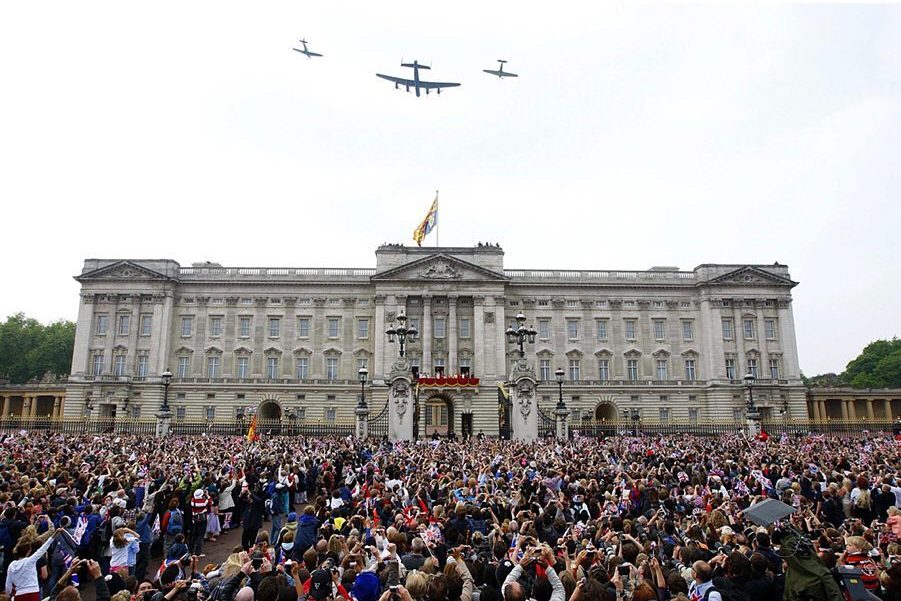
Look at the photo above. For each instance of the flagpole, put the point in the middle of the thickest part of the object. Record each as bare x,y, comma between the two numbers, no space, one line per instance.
438,224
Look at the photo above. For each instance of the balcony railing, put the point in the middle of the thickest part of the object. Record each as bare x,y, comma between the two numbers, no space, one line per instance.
604,276
237,273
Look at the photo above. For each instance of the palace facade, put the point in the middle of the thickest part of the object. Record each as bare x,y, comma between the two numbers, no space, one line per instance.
673,345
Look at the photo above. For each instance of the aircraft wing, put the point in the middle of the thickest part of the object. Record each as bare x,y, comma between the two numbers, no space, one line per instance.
436,84
398,80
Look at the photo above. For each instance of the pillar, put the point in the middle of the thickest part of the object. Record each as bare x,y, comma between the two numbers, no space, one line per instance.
852,410
32,406
524,413
5,413
400,400
378,359
888,408
452,367
815,410
824,415
870,414
562,415
478,335
362,414
427,365
844,406
57,407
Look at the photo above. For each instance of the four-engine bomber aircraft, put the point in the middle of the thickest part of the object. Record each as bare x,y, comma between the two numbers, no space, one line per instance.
500,72
309,53
416,82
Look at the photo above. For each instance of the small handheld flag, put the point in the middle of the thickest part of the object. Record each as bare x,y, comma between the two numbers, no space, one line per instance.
427,224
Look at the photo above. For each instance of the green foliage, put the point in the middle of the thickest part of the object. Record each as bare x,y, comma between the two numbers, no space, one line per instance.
29,349
877,366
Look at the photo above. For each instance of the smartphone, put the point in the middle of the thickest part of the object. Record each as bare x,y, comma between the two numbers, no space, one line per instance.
393,573
623,571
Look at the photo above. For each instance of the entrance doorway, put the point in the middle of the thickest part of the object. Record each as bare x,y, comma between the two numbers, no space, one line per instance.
438,416
466,425
605,412
270,410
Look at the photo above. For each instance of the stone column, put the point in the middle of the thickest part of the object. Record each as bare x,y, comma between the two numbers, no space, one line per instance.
400,400
57,407
813,411
562,415
478,336
427,365
163,423
852,410
5,413
452,367
844,406
888,408
378,359
362,414
33,407
524,414
870,415
824,413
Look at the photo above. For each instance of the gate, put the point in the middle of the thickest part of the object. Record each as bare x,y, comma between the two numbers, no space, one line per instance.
504,413
377,426
547,425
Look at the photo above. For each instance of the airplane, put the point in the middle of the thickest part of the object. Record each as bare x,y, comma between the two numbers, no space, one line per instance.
309,53
416,82
500,72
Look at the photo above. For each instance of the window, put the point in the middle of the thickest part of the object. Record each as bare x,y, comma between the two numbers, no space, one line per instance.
362,363
630,329
572,329
142,366
303,327
212,367
439,365
331,368
769,325
543,303
102,324
275,325
215,326
690,370
600,304
687,329
602,329
146,325
97,364
661,369
659,329
664,415
465,327
752,367
737,414
727,329
330,414
439,327
272,368
124,323
572,304
187,323
180,413
119,365
544,369
362,328
303,368
244,327
632,369
465,366
658,304
544,328
414,323
693,416
774,369
414,363
211,412
730,369
136,412
243,368
603,370
574,369
748,326
332,327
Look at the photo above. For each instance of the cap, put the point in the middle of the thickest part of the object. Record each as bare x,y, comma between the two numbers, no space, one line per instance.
292,517
320,584
198,494
366,587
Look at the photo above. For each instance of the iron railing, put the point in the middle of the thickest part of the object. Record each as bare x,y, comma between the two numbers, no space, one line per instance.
547,424
377,426
147,426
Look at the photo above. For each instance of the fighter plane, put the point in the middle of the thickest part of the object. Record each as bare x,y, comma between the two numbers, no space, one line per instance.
500,72
416,82
309,53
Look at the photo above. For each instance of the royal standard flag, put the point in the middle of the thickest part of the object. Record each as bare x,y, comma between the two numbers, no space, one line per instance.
428,224
252,431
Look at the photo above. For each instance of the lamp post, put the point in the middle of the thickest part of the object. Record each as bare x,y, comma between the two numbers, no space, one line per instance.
363,373
518,333
636,417
749,382
559,374
166,377
402,332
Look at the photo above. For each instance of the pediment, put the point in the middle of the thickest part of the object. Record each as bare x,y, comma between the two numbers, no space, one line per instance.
689,352
212,350
661,353
751,276
272,351
440,268
183,350
122,270
362,352
243,350
603,353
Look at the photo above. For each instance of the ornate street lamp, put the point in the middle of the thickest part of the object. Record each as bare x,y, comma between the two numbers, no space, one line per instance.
166,377
559,374
402,332
749,382
518,333
363,373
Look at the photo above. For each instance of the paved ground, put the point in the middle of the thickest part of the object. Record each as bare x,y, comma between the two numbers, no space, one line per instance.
216,552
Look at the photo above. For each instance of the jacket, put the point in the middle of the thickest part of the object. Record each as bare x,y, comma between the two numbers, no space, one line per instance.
306,534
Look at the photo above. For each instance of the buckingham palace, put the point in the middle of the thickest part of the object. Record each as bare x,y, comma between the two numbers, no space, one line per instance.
659,345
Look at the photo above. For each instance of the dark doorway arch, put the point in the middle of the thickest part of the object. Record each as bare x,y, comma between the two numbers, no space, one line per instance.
605,412
270,410
438,416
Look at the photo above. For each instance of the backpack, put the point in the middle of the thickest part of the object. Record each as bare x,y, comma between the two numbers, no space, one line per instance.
176,522
728,593
864,501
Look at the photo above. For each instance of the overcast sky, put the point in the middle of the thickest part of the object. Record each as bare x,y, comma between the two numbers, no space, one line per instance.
634,136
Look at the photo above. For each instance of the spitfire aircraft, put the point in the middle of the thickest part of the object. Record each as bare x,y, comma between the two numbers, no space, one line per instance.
416,82
500,72
309,53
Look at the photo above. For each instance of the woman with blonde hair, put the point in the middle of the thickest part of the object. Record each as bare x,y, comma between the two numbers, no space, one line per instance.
418,584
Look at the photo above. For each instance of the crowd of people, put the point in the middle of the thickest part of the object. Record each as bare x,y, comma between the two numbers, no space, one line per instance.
624,518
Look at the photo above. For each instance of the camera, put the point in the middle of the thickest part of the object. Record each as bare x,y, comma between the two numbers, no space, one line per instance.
257,561
623,571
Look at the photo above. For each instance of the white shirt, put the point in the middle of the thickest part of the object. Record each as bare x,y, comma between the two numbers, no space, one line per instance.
23,573
119,555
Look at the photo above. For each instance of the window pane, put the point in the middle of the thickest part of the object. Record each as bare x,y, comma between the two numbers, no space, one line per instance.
124,322
102,323
275,325
303,368
770,327
333,327
142,366
544,328
659,329
630,329
544,368
242,367
727,329
603,370
183,367
186,324
331,368
212,367
632,366
730,369
572,329
245,327
465,328
272,367
363,328
215,326
120,365
574,369
661,369
439,324
749,328
690,369
687,333
146,324
602,329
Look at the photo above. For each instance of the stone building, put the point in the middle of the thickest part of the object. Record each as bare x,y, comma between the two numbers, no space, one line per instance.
673,345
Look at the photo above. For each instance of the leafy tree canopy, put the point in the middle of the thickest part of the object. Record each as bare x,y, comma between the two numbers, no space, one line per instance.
877,366
29,349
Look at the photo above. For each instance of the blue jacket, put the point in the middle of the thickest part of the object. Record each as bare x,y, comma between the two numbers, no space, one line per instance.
144,528
306,534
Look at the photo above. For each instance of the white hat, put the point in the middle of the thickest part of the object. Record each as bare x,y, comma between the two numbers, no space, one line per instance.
198,494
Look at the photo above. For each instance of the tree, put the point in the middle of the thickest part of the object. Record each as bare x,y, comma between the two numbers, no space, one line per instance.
877,366
29,349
